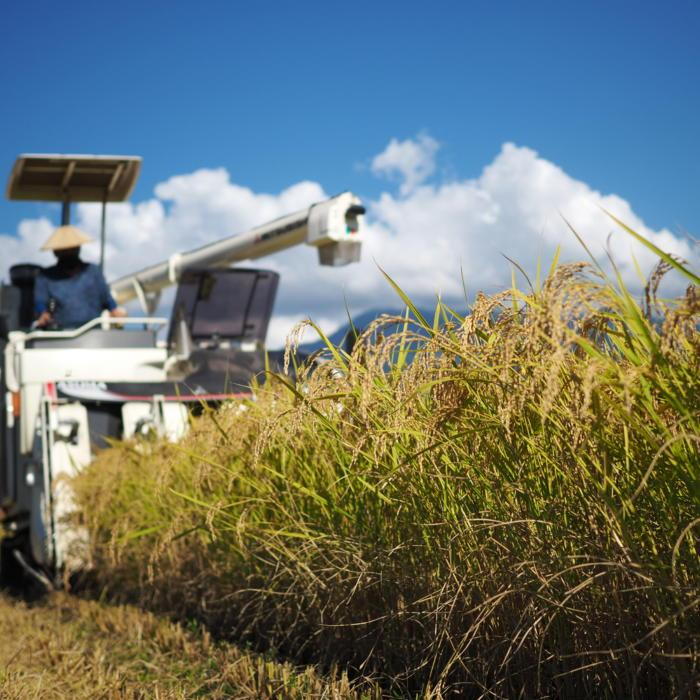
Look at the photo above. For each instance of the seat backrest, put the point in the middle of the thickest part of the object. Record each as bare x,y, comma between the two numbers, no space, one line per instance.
10,302
23,277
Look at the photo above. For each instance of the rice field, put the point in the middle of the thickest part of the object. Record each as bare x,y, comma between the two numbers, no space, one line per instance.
499,504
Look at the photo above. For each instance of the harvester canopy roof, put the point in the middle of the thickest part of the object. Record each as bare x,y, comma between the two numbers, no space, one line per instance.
75,178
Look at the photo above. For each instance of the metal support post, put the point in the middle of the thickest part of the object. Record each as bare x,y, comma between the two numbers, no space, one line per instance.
103,232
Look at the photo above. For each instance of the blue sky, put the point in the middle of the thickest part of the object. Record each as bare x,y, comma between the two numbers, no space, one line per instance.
279,92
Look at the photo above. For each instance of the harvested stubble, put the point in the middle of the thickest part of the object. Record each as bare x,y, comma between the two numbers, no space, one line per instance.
64,647
505,505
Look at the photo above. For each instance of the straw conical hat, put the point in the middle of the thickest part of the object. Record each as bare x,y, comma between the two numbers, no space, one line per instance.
66,237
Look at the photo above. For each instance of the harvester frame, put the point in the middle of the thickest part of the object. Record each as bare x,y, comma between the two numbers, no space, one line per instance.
66,393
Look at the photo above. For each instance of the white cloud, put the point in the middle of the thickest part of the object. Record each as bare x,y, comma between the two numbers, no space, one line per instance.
281,324
424,237
31,235
515,207
412,161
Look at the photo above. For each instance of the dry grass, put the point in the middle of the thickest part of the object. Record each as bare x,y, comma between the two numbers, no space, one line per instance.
65,647
513,513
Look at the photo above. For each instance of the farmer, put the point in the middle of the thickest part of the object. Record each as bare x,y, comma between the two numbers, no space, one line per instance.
72,292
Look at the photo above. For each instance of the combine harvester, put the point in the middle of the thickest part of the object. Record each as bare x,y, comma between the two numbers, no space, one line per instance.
65,392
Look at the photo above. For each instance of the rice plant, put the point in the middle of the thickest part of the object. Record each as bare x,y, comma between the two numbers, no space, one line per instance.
502,504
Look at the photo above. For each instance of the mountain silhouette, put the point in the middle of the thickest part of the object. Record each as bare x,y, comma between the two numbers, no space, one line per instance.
341,337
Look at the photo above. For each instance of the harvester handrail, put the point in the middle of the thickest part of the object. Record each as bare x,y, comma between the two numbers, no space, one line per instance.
156,321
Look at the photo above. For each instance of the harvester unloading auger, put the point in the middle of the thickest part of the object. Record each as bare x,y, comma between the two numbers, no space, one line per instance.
65,392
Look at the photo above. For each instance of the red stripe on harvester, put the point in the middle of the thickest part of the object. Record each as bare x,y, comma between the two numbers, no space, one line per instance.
190,397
